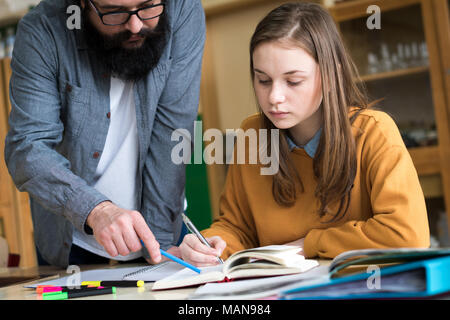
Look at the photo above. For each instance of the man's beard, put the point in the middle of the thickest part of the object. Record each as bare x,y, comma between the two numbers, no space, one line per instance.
126,63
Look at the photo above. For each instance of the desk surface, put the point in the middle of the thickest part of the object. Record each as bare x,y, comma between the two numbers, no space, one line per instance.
18,292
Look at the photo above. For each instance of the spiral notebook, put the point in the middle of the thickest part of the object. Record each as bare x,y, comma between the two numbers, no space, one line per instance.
148,273
153,272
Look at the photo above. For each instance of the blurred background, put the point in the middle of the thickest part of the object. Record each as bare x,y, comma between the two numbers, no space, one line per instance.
405,62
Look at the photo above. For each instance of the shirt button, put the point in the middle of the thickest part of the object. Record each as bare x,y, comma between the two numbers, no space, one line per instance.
96,155
108,115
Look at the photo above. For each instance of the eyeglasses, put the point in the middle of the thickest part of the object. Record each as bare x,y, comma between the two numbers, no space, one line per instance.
121,17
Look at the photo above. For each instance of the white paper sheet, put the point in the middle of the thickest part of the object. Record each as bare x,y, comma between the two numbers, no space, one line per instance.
115,274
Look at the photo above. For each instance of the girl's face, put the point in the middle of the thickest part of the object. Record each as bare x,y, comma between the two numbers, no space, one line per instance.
288,87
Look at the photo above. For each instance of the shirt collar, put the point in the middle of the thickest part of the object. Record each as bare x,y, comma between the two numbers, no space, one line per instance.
310,147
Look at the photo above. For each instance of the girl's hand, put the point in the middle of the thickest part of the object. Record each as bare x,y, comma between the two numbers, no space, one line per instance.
195,252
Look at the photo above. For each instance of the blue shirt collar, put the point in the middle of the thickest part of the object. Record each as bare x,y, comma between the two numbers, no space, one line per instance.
310,147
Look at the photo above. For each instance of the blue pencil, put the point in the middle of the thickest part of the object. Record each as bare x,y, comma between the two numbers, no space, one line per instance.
176,259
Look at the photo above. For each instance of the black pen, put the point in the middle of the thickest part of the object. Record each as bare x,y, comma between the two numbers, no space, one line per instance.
119,283
194,230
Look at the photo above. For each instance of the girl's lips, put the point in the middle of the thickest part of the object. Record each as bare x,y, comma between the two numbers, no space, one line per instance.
278,114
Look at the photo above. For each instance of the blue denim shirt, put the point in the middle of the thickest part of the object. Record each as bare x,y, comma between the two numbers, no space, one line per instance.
310,147
59,123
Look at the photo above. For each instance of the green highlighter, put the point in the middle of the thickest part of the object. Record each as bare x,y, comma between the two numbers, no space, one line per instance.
78,294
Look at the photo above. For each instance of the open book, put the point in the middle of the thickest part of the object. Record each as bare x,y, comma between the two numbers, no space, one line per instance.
250,263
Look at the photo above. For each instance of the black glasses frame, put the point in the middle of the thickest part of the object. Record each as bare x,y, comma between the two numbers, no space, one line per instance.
130,13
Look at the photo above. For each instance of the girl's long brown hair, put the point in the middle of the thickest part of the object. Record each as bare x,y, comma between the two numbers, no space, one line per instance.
310,27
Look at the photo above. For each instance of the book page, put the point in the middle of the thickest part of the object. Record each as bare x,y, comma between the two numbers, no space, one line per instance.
258,288
267,258
188,277
266,269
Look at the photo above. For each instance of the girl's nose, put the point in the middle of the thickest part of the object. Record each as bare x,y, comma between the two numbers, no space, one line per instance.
277,95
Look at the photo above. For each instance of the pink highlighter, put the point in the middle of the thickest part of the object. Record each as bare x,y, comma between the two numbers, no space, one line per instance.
62,289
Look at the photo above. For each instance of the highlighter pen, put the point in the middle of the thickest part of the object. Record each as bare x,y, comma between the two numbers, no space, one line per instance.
176,259
41,288
55,289
46,294
82,293
195,231
44,286
118,283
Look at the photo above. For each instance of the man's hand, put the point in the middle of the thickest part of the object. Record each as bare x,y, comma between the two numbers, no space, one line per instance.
119,230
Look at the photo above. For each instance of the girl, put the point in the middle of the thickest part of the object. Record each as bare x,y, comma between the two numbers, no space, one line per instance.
345,180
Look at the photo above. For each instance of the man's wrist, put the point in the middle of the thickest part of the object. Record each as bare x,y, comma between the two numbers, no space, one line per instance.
91,217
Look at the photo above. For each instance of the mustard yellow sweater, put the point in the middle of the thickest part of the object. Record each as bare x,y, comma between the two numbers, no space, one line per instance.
387,207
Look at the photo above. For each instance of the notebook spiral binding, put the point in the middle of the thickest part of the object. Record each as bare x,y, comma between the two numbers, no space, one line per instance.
145,269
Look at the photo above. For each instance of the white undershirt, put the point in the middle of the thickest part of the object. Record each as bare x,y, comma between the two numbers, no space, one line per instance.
117,169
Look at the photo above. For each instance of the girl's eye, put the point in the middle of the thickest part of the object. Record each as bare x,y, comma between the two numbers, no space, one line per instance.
294,83
264,82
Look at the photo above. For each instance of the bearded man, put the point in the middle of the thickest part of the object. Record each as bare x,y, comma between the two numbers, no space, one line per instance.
93,111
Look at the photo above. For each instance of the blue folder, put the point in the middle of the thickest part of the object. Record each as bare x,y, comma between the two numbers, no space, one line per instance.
417,279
